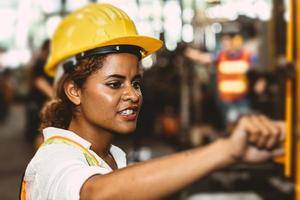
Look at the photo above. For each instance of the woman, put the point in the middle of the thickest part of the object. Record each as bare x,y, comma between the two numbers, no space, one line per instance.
95,58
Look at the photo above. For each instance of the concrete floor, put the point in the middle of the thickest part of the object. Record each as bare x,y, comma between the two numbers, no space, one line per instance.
14,153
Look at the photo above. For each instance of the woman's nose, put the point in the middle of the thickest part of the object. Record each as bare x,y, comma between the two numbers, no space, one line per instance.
130,93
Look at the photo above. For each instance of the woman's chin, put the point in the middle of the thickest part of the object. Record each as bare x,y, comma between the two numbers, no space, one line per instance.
126,130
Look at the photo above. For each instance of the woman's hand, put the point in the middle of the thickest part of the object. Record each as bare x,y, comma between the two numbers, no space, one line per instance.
255,139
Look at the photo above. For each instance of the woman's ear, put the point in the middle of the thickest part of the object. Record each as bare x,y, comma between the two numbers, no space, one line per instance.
72,92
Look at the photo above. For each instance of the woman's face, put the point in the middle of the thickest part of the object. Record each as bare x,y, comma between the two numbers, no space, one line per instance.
111,97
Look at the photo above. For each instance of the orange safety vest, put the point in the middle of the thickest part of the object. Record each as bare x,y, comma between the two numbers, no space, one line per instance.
232,82
90,158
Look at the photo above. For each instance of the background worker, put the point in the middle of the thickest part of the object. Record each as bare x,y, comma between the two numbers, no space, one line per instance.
231,63
40,91
98,96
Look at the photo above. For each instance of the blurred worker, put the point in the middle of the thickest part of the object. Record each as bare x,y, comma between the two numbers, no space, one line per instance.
232,64
40,91
98,97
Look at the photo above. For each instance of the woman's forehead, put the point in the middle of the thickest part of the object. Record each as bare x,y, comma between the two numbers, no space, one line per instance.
122,63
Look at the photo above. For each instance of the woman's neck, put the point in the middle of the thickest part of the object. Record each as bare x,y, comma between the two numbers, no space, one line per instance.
100,139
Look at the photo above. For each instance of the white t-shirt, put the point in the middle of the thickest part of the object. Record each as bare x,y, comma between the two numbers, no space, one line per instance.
58,171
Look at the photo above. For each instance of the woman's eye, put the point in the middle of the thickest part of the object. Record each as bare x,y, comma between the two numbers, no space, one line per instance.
114,85
137,85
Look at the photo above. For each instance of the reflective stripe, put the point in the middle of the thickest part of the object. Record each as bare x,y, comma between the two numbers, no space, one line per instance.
231,77
233,86
233,67
90,158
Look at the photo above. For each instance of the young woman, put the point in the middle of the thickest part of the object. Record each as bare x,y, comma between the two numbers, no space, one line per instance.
95,57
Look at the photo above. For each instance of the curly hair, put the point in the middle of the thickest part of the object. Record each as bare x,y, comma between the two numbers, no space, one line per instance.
59,111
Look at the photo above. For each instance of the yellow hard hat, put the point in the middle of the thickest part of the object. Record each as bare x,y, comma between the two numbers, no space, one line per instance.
92,27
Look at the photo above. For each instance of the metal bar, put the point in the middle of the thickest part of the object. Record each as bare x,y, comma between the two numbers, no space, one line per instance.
297,143
289,94
288,120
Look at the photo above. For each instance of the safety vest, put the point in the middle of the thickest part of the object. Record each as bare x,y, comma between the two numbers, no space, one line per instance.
90,158
232,82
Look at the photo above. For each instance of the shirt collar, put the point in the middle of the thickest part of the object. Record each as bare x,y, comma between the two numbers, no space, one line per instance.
118,154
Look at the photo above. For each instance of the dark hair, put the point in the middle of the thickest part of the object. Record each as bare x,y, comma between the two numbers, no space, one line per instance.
59,111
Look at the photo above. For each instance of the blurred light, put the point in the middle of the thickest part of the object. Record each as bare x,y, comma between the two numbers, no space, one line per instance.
75,4
39,36
8,19
172,21
145,153
187,3
263,10
145,11
147,62
157,25
51,25
171,45
227,12
114,2
286,10
144,28
8,4
286,16
50,6
232,9
172,8
216,27
129,6
173,28
210,39
187,15
21,34
15,57
200,4
187,33
157,9
245,8
24,20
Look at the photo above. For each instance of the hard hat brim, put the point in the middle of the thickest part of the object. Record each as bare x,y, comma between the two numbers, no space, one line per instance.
149,44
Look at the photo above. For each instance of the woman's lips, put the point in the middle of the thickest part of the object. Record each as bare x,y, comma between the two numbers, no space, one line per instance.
130,117
129,114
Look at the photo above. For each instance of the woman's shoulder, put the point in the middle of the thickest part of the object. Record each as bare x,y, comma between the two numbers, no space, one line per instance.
51,156
58,167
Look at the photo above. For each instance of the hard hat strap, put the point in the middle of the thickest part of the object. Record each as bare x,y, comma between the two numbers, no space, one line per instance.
70,63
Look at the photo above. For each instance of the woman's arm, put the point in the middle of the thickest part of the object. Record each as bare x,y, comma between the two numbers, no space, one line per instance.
157,178
161,177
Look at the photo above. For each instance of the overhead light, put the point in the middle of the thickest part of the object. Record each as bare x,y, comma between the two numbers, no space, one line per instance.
187,33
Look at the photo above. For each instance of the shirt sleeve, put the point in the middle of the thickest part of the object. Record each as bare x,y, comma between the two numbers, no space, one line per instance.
63,172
